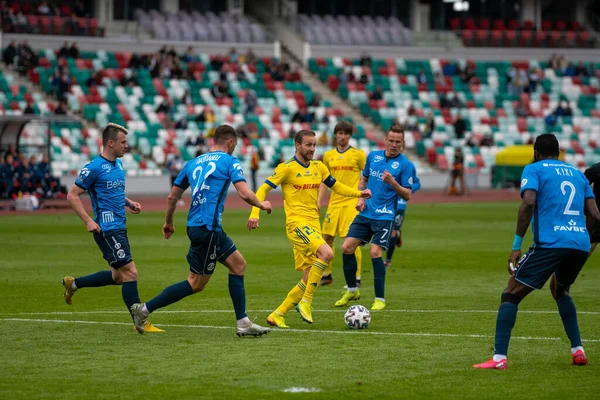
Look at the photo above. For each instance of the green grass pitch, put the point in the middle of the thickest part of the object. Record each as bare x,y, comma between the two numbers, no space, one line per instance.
442,291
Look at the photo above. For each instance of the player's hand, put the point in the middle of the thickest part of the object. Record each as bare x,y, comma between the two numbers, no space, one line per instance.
395,233
92,226
266,206
387,177
168,230
252,223
513,260
135,207
360,205
365,194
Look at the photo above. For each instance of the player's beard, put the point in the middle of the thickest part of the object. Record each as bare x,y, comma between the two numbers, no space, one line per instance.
307,155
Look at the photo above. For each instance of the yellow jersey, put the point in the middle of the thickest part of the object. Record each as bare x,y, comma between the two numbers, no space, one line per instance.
346,168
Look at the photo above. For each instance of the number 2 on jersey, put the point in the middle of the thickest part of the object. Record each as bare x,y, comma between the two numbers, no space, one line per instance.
563,187
200,182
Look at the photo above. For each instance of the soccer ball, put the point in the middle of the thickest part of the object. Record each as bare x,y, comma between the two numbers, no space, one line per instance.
357,317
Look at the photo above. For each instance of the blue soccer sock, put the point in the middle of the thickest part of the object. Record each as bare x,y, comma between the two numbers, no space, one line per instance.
238,295
390,250
99,279
505,321
170,295
350,267
379,277
568,314
129,291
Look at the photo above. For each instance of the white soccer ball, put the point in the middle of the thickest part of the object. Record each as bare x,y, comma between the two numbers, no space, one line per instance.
357,317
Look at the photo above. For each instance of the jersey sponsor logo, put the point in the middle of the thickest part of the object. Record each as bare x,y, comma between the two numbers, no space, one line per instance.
108,217
571,228
210,266
384,210
119,183
376,174
524,182
378,158
117,244
307,186
344,168
395,164
106,167
198,202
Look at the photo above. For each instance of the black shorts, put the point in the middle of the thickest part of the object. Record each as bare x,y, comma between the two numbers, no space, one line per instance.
115,247
537,266
206,248
371,230
595,234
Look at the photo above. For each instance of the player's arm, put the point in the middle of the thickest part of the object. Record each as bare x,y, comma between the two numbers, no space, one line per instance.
400,190
362,185
135,207
322,195
74,200
249,197
592,214
261,195
168,228
523,221
340,188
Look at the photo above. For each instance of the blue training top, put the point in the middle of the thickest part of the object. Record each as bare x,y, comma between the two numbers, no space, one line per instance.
384,200
558,219
209,175
104,180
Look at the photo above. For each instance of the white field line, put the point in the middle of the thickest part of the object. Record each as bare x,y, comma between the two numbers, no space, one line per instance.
338,310
346,332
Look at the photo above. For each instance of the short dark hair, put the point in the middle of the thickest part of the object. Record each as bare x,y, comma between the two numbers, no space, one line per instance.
300,135
224,132
547,145
111,132
396,128
344,127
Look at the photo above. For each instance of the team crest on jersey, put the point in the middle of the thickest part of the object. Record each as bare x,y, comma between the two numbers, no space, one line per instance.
395,164
83,173
378,158
307,173
523,182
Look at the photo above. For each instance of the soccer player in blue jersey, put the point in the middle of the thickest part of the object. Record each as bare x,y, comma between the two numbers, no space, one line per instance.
593,175
209,176
556,198
104,180
388,175
399,220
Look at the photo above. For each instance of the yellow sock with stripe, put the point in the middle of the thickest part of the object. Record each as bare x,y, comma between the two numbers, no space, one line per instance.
358,254
314,277
330,265
293,297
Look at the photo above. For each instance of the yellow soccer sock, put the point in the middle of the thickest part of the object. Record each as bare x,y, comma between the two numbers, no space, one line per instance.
292,298
330,265
358,254
314,277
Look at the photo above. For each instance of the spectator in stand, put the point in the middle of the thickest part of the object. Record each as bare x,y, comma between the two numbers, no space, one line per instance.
534,78
188,56
412,111
61,108
24,175
377,94
130,79
522,82
467,74
95,79
323,139
251,101
315,101
250,57
9,54
457,173
27,58
439,80
429,125
79,9
511,81
254,165
486,141
233,55
302,116
44,9
61,83
569,70
63,52
12,151
74,51
197,143
422,77
365,60
521,109
460,126
454,101
554,61
581,70
220,90
364,79
186,98
28,110
240,75
295,75
444,102
8,175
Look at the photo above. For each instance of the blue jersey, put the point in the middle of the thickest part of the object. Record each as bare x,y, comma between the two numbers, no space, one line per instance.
384,200
104,180
558,219
209,175
416,185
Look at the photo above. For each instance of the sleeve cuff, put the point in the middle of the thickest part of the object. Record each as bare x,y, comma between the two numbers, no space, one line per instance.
268,182
238,180
524,190
84,188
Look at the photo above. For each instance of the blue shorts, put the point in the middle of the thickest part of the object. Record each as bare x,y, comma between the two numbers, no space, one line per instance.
206,248
115,247
371,230
538,264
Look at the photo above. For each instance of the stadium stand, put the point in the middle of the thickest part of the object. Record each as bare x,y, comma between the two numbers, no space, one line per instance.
501,104
353,30
208,27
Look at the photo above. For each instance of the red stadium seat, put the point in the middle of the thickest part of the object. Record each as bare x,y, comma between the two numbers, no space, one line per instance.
499,25
484,23
467,38
496,38
513,24
528,25
455,24
525,38
560,25
510,38
482,38
546,25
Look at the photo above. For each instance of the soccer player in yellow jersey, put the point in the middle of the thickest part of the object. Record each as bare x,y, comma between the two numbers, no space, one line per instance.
300,179
345,164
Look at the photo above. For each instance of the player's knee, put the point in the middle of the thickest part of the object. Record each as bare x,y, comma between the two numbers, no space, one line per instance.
197,285
376,252
128,273
348,248
511,298
325,254
239,268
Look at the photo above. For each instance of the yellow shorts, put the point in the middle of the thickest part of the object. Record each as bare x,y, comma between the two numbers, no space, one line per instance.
338,219
306,239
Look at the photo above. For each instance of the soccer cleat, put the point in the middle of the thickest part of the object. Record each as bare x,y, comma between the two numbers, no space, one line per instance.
378,305
347,297
277,320
139,317
579,358
326,280
387,263
149,328
305,310
251,330
69,291
491,364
